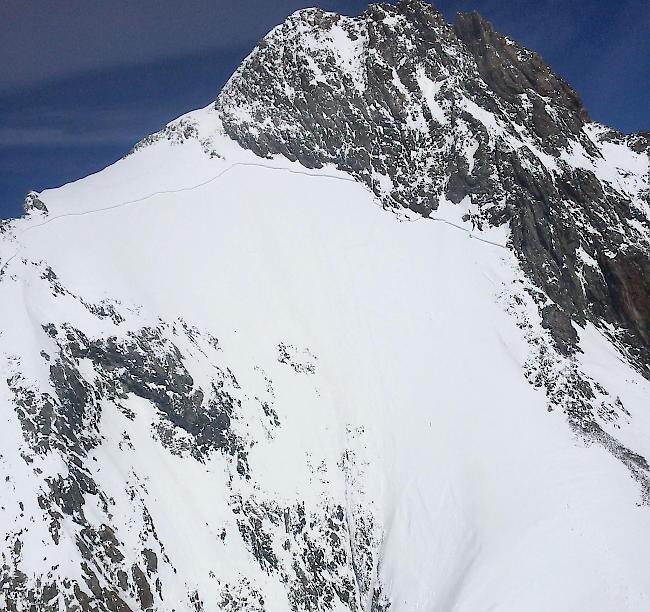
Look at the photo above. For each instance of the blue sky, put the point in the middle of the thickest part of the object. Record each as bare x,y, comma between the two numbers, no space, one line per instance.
81,82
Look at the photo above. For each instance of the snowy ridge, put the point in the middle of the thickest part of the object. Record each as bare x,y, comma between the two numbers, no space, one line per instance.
251,368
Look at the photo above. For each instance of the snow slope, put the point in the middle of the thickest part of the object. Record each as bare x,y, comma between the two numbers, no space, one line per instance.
397,354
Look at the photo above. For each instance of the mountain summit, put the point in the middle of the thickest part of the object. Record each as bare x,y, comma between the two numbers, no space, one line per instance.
425,112
369,332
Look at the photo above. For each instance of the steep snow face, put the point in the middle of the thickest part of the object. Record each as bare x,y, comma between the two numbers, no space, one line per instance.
367,333
232,383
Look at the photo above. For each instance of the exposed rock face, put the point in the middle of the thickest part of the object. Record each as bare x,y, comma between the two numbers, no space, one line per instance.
510,71
421,110
628,280
33,203
328,555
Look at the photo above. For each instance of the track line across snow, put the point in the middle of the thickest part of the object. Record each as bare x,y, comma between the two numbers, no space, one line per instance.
207,182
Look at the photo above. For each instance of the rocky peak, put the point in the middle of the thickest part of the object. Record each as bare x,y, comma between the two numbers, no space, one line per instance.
510,70
424,14
429,114
33,203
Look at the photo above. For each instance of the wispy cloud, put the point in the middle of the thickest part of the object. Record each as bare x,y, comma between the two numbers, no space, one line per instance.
60,125
41,41
56,137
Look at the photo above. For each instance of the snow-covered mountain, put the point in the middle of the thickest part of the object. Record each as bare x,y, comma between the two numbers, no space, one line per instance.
369,332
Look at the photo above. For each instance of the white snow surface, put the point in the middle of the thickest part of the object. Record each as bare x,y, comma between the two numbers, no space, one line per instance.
483,499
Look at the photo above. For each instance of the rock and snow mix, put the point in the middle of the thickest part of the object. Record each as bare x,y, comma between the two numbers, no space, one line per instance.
370,332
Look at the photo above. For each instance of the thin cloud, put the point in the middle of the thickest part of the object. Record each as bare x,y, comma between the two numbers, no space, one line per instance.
55,137
44,41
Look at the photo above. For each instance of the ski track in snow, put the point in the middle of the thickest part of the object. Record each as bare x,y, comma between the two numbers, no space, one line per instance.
211,180
460,227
